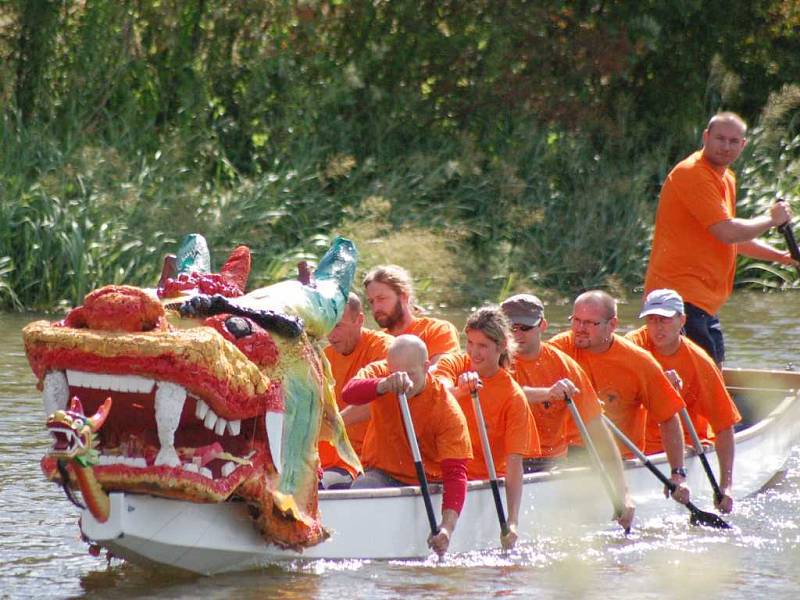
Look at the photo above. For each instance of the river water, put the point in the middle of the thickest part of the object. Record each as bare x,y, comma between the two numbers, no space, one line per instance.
41,554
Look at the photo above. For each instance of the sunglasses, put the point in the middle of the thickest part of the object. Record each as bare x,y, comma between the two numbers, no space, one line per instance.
518,327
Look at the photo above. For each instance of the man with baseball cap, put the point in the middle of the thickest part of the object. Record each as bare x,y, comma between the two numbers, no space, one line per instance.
629,381
695,375
698,236
546,375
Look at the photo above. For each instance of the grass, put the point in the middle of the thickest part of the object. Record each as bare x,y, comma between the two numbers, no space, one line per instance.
542,211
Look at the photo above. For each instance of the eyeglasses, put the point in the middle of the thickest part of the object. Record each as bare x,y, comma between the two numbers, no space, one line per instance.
518,327
586,322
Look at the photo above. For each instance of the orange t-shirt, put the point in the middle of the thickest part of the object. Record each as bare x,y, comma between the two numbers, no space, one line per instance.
554,420
708,403
685,256
372,346
439,424
509,423
438,335
629,382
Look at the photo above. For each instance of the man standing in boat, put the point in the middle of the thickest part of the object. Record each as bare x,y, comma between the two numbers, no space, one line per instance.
351,346
391,297
695,376
508,420
697,234
546,376
440,426
628,380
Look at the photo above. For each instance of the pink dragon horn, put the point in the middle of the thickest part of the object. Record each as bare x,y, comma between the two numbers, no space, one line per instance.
101,415
75,406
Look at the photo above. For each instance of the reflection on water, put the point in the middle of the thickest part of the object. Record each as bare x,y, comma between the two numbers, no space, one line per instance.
41,554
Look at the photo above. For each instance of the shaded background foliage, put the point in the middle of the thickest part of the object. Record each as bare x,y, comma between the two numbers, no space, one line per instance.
529,138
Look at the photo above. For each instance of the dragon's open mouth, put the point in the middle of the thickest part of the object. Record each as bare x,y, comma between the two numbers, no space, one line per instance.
65,441
156,428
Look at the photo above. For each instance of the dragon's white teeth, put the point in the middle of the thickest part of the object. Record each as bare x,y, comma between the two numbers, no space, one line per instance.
114,383
274,425
200,410
206,472
234,427
210,420
169,402
55,392
130,461
191,467
228,468
167,456
219,426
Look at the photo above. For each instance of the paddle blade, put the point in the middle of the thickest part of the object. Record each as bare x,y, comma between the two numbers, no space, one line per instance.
707,519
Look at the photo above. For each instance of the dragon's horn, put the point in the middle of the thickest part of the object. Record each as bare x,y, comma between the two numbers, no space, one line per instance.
236,269
101,415
75,406
193,255
338,264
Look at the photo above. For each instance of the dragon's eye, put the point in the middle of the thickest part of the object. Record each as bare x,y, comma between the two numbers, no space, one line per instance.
238,327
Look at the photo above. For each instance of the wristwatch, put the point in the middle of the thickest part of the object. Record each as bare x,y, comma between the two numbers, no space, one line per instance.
680,471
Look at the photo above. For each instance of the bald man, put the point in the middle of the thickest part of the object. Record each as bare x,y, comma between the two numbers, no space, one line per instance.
441,428
628,380
698,235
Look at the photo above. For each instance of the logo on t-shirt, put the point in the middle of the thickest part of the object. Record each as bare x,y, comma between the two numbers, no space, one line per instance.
609,396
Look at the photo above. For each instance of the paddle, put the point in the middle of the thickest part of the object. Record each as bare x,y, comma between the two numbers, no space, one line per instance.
788,235
619,509
423,480
699,517
487,455
791,242
701,453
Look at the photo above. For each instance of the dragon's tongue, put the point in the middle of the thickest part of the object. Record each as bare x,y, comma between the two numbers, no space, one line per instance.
208,453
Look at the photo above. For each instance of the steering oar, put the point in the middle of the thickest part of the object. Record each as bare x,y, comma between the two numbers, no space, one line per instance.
791,242
699,517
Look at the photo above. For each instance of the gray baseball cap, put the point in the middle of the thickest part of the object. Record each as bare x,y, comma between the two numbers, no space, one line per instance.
666,303
523,309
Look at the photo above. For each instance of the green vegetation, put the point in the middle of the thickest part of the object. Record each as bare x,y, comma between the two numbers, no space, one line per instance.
487,146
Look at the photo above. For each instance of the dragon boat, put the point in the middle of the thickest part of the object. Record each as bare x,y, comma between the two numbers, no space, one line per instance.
188,417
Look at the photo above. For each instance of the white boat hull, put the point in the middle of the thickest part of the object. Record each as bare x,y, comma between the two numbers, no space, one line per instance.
392,523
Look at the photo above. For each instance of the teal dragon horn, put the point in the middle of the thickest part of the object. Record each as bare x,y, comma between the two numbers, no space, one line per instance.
333,278
193,255
339,265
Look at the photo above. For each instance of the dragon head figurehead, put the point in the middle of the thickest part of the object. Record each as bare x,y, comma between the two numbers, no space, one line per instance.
73,432
217,394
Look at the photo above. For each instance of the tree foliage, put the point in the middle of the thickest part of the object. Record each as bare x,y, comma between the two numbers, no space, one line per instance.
499,112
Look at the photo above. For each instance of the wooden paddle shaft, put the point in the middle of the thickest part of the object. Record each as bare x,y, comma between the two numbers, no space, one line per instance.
587,439
487,456
487,449
791,242
701,453
788,235
423,479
